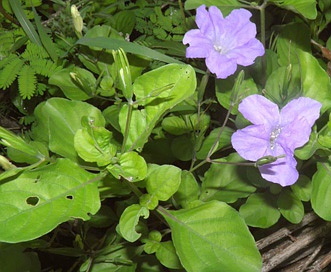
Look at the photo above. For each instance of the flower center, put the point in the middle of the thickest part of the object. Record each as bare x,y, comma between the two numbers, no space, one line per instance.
273,136
220,49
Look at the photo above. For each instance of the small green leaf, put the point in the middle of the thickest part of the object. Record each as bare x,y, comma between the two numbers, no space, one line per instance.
302,188
208,142
11,140
182,147
166,254
93,145
148,201
130,166
188,190
163,181
260,210
153,242
130,219
76,83
320,198
212,237
290,206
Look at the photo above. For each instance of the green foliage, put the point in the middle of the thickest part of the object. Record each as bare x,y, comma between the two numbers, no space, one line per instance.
127,164
203,234
46,200
29,68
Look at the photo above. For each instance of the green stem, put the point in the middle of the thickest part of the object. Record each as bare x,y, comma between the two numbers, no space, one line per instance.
220,132
180,4
127,125
263,38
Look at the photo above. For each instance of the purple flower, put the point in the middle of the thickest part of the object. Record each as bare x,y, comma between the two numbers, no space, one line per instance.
275,133
224,42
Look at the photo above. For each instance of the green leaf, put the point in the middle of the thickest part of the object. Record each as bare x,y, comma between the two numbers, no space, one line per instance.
128,47
290,207
208,142
58,120
260,210
130,166
166,254
163,181
130,219
182,147
224,91
284,84
226,5
212,237
292,37
320,198
16,258
226,182
179,125
81,89
307,8
93,145
309,149
156,92
46,200
188,190
316,89
11,140
302,188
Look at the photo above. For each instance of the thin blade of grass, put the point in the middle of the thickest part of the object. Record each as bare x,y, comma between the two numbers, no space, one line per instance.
24,21
45,39
129,47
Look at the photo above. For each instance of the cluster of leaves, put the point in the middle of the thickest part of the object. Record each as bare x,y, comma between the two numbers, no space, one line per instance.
128,164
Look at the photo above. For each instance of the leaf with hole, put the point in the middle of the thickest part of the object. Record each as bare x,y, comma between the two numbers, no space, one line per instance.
38,200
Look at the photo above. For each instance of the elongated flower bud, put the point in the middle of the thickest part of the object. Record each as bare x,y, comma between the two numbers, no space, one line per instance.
77,20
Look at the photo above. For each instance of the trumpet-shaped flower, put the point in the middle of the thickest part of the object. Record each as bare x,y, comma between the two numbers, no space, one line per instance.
223,42
275,133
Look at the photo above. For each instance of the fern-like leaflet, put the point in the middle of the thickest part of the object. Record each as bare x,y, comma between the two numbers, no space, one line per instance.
27,82
9,73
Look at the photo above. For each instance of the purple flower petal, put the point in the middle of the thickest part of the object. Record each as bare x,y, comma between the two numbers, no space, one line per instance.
295,134
224,42
246,54
283,171
251,142
275,134
259,110
221,65
302,107
244,29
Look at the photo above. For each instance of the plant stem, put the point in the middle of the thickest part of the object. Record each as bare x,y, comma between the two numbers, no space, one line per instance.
220,132
263,38
127,125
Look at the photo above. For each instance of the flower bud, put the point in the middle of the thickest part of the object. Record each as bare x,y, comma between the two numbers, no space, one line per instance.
124,82
77,20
